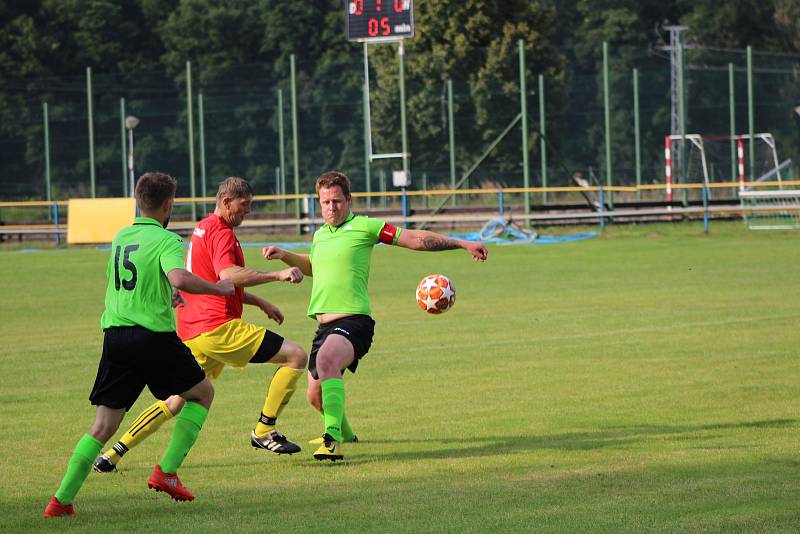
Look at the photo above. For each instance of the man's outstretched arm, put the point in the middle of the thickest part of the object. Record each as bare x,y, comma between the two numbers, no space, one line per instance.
190,283
244,277
431,241
301,261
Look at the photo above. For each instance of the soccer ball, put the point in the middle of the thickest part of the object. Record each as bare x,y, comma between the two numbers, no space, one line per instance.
436,294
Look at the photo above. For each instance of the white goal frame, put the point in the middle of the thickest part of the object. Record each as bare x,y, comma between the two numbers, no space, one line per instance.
698,141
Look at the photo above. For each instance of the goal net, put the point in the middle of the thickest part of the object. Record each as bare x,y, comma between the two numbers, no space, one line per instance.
771,209
699,159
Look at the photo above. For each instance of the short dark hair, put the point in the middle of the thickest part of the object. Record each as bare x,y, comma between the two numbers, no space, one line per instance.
234,187
334,178
153,189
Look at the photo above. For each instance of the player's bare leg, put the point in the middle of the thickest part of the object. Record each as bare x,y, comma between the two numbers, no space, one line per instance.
335,354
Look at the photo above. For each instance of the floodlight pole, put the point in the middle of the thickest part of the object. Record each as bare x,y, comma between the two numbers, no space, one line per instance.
403,131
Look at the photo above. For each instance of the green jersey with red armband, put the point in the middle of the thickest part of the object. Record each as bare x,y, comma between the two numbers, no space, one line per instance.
340,260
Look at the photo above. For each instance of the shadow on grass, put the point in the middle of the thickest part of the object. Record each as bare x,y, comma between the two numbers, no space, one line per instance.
604,438
461,447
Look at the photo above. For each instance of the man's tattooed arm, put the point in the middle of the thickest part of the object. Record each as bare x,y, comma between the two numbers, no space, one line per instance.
431,241
436,242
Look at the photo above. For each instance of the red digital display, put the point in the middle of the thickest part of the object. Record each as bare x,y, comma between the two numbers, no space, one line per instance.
376,20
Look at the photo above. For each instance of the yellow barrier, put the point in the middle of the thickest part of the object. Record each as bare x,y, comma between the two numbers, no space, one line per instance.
96,220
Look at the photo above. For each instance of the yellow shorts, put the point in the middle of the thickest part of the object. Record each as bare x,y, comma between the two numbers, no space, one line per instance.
233,343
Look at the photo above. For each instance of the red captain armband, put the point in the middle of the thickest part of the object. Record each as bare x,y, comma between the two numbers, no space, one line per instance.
387,234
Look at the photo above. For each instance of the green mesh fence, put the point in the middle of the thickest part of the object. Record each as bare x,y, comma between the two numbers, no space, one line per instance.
241,115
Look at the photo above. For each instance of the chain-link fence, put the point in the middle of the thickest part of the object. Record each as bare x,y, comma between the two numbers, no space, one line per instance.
280,131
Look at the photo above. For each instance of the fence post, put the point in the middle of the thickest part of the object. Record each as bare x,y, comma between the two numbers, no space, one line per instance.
312,213
637,134
542,138
523,99
201,127
382,186
90,110
750,111
452,140
47,186
602,210
123,147
405,207
705,207
295,149
501,208
403,125
732,113
281,150
55,219
607,116
682,122
367,130
190,125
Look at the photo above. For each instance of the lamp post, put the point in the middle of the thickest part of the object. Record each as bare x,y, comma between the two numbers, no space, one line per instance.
131,122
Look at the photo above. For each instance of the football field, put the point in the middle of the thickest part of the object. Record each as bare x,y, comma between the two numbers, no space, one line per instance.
644,380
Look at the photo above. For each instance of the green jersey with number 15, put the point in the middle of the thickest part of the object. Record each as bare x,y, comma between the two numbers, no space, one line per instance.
139,292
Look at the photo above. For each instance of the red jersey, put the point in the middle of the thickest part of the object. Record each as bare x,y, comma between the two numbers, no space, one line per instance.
213,249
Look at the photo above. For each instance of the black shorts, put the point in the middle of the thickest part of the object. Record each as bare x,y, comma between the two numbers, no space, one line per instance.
269,347
135,357
358,329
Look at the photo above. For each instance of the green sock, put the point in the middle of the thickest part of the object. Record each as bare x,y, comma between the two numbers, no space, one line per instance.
78,468
347,430
333,406
187,427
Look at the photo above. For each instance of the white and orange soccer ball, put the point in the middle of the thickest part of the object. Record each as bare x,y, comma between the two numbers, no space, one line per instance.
436,294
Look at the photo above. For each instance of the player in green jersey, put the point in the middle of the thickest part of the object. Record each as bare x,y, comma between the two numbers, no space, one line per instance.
140,346
339,263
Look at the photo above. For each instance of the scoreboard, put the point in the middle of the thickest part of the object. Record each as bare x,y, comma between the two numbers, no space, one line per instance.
379,20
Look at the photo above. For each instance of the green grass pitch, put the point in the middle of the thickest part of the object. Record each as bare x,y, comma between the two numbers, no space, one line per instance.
645,380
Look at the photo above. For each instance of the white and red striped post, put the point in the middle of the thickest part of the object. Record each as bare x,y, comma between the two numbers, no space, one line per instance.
740,156
668,166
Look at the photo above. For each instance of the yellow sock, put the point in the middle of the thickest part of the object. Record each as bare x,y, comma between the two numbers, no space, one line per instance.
148,422
281,388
